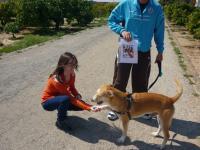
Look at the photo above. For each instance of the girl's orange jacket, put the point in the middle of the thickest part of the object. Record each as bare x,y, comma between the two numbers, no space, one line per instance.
55,88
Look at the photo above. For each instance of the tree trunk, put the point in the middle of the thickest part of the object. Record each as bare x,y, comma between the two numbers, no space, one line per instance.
57,25
14,37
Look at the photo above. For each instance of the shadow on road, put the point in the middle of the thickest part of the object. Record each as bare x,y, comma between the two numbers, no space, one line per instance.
93,130
171,145
183,127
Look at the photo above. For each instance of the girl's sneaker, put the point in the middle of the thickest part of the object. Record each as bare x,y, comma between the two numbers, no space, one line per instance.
63,125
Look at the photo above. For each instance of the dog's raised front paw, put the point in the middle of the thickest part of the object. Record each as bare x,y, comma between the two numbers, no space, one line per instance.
121,140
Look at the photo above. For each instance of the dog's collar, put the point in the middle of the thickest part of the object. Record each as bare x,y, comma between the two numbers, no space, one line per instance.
130,102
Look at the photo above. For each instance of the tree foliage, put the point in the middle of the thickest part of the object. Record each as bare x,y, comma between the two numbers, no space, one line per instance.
83,12
34,13
56,12
12,27
6,12
45,13
103,9
194,21
183,13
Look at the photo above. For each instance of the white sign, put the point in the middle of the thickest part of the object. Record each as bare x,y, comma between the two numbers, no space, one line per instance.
128,51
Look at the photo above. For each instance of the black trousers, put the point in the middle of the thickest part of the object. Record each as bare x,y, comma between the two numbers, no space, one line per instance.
139,73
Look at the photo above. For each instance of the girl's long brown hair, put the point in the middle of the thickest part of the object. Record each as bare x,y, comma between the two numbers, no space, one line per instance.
65,58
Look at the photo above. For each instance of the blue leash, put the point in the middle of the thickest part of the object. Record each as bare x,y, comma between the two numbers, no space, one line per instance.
159,74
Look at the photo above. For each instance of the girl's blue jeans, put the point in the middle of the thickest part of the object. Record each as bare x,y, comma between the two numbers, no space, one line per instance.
62,104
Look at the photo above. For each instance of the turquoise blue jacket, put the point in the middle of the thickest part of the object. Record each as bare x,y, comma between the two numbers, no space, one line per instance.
142,25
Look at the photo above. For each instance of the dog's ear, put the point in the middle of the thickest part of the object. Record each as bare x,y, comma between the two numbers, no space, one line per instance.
110,93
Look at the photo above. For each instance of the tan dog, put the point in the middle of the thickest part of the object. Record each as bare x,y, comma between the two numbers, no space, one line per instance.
138,105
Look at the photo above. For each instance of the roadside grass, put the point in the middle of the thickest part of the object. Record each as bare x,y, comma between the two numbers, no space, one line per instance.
27,41
182,63
181,60
39,36
196,95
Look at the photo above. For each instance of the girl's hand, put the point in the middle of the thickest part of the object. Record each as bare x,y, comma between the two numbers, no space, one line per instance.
95,108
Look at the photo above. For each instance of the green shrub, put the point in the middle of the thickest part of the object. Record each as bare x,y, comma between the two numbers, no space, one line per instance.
102,10
34,13
168,11
6,12
84,14
55,9
1,28
194,21
178,11
162,2
11,27
181,12
197,33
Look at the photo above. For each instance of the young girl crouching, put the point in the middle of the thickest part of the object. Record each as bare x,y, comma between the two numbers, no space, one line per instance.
60,92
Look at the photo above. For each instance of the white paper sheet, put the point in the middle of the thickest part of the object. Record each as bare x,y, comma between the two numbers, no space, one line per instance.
128,51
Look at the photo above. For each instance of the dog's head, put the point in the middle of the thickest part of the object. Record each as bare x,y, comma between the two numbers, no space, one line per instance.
103,95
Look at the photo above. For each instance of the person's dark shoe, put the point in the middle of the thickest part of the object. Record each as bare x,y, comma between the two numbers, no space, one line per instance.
147,116
63,125
112,116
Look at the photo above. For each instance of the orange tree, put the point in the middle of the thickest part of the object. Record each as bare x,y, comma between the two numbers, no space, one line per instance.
6,12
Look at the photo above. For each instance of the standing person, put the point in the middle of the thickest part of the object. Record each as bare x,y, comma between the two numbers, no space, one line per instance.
143,20
60,92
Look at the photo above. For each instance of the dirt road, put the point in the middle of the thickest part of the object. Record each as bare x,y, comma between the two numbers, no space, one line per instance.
24,125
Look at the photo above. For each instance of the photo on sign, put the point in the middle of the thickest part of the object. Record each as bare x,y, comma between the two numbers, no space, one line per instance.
128,51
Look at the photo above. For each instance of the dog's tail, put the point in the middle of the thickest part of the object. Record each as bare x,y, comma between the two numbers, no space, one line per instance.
179,89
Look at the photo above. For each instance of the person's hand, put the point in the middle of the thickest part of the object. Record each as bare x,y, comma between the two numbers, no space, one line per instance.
159,58
79,96
95,108
126,35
